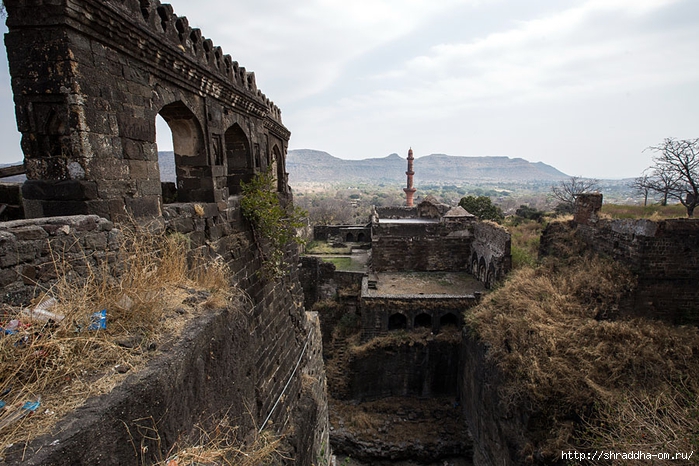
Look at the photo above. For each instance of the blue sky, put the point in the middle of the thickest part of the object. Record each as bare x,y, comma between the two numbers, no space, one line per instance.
583,85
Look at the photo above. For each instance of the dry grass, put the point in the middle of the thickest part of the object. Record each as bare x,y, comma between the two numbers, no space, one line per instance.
525,243
652,212
65,363
224,445
634,383
395,338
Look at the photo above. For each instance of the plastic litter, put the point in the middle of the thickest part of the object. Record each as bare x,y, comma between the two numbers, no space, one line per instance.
10,328
26,409
41,311
98,320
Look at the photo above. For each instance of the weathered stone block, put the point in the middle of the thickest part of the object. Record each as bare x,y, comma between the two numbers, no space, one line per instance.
65,190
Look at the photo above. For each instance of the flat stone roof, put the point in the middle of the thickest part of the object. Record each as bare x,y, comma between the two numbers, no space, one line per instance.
424,283
408,220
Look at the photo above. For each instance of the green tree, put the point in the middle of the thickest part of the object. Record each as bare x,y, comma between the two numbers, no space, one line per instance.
273,225
482,207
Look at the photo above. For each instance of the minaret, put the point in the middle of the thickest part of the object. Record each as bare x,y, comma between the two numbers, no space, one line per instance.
409,191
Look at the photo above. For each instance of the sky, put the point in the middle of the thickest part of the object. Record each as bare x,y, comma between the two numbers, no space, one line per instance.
582,85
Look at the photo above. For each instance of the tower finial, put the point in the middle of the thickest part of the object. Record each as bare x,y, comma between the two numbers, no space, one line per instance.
409,190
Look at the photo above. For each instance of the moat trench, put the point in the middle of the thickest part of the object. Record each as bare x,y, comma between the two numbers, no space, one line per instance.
394,402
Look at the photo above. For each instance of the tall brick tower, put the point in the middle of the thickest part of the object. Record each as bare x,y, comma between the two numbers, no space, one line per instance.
409,191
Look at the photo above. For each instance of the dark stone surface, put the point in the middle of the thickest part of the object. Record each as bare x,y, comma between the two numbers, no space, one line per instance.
89,78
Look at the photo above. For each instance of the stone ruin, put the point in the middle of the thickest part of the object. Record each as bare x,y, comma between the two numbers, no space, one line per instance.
89,78
662,254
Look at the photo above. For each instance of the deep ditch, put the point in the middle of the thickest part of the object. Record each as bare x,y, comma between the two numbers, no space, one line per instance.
394,402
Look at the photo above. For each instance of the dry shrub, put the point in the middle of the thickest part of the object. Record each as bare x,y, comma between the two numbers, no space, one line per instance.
222,444
65,363
633,382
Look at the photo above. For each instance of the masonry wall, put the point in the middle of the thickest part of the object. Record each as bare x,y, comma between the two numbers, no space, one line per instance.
491,256
89,78
377,310
276,330
421,369
420,247
34,252
357,233
665,257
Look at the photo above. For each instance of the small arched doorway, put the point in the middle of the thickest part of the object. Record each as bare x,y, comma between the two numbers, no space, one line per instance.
238,158
423,320
449,320
194,180
397,321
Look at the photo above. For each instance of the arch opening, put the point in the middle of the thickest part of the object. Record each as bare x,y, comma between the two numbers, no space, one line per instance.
278,167
192,173
423,320
397,321
349,238
166,160
238,158
449,320
361,237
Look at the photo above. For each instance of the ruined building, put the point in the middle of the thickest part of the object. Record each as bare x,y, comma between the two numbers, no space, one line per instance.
89,78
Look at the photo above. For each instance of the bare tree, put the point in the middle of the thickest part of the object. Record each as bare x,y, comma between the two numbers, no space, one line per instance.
567,191
676,166
642,186
657,181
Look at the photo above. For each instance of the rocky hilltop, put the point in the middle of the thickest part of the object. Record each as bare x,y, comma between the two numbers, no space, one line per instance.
306,165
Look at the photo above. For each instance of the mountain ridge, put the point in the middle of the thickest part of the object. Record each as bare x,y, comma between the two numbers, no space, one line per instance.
308,165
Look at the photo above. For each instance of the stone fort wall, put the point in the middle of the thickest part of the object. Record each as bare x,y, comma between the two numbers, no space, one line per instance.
89,78
664,255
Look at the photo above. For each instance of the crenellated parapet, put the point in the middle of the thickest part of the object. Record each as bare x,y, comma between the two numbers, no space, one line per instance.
89,79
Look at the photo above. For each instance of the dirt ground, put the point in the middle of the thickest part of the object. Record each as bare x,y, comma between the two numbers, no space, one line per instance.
347,461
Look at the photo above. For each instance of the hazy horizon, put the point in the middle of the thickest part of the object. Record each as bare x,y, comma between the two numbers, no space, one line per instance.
584,85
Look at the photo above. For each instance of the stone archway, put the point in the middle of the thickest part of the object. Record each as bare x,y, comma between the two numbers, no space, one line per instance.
397,321
238,158
194,179
423,320
448,319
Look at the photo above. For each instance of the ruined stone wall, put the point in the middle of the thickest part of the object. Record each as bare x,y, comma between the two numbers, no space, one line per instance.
491,256
89,78
33,253
664,256
348,233
423,369
376,311
420,247
498,433
277,333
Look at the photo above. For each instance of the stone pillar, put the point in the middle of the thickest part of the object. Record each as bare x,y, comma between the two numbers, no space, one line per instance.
409,190
587,207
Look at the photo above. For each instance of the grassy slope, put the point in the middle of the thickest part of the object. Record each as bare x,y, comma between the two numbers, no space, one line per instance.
600,384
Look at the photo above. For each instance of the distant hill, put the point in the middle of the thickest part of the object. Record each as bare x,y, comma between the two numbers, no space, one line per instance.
305,165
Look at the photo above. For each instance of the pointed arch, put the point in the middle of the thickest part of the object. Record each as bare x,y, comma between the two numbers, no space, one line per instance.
449,319
238,158
194,181
278,167
423,320
397,321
